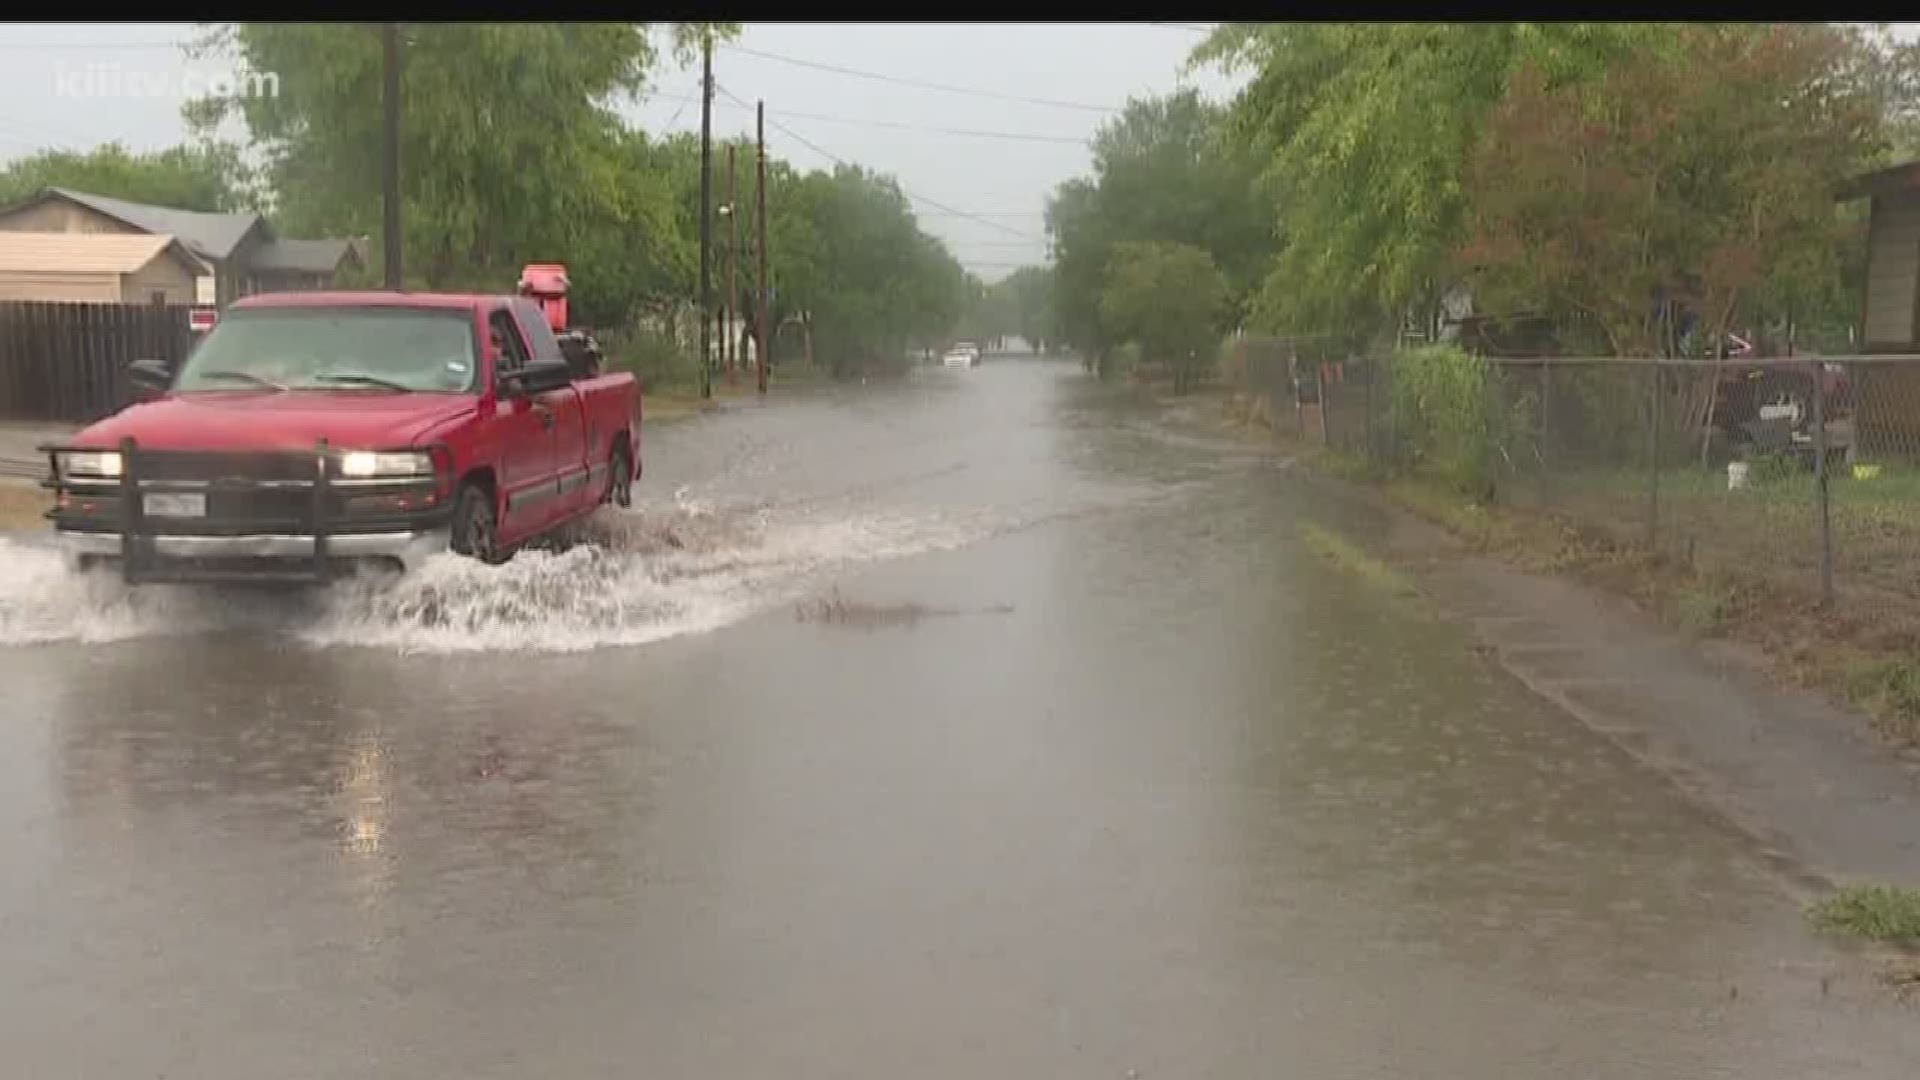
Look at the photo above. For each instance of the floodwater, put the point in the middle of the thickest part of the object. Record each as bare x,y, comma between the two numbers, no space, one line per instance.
1129,783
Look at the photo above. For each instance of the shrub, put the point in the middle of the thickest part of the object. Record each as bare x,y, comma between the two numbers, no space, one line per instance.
650,347
1441,417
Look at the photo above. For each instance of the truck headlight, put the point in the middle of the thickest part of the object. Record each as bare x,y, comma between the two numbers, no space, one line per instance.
363,464
96,464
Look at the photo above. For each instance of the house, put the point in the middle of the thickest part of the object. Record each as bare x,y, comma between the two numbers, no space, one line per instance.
1890,321
292,265
98,267
1885,422
241,251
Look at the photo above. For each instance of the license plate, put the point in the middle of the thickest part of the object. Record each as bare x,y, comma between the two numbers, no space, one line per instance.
177,504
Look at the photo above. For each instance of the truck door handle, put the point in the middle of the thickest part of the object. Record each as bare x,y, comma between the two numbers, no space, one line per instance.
546,418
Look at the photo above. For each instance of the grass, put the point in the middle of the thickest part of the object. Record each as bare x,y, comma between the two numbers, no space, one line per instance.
1887,687
1883,913
1701,607
672,401
1346,555
22,506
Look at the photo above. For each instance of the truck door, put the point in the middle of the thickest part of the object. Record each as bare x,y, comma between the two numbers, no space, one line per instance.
573,456
525,426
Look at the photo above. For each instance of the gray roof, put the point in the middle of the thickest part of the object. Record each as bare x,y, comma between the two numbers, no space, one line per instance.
304,256
212,236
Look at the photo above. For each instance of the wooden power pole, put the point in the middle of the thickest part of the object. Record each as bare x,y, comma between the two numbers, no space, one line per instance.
732,347
390,151
764,354
706,212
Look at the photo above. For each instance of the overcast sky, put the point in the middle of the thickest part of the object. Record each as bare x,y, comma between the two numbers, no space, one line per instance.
982,193
1040,90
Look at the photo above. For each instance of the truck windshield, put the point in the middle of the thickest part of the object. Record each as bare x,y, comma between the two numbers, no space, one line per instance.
370,349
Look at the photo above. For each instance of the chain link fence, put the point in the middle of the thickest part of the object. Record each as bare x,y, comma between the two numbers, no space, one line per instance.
1800,476
1288,375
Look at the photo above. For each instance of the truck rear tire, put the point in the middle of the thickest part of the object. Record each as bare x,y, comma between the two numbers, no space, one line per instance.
476,528
620,478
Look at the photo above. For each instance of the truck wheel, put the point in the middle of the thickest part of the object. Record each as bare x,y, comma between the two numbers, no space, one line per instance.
620,480
476,533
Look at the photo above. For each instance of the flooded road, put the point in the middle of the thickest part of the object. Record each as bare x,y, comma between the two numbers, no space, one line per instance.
1131,783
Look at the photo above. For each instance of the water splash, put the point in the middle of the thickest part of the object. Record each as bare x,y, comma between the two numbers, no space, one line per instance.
624,578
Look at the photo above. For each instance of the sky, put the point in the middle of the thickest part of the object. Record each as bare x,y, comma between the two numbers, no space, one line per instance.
977,165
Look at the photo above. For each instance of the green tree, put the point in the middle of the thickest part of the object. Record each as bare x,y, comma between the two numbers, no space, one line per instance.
206,177
1703,177
991,312
1031,289
852,266
511,149
1082,243
1365,129
1163,170
1167,298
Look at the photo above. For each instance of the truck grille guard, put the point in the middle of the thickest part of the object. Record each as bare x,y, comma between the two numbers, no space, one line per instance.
137,555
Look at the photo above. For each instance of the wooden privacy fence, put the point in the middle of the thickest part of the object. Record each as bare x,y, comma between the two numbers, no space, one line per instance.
66,361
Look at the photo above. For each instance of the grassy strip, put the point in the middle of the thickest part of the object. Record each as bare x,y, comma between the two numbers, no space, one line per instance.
1344,554
22,506
673,401
1875,912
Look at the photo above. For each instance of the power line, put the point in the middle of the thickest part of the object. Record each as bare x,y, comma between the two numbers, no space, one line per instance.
924,129
681,109
838,160
922,84
1023,136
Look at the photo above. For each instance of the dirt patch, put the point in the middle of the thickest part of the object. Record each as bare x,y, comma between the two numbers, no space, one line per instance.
23,507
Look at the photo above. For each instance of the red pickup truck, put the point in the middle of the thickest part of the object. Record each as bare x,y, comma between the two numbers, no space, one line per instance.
309,433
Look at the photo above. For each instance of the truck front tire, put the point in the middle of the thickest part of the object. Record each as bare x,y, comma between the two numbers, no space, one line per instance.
476,528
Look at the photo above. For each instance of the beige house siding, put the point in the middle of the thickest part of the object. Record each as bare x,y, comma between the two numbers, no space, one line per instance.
56,215
60,216
73,288
163,275
1893,269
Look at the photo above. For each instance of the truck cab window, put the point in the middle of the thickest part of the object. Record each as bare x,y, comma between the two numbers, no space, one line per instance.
544,347
510,351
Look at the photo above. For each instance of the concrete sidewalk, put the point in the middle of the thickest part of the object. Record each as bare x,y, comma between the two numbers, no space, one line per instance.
1826,800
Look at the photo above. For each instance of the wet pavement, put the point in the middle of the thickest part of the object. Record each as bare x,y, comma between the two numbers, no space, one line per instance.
1158,793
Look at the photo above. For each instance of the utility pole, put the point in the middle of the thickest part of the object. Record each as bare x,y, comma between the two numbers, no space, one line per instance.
764,354
706,211
390,152
732,346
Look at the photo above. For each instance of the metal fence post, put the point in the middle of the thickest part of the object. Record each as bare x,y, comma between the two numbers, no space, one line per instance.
1393,419
1366,424
1653,459
1320,388
1543,440
1821,495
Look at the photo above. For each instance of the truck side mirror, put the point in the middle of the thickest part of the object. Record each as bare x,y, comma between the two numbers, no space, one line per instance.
534,380
150,378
